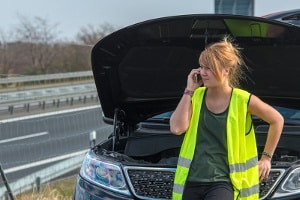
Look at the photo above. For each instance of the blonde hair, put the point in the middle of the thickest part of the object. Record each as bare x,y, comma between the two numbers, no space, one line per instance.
218,56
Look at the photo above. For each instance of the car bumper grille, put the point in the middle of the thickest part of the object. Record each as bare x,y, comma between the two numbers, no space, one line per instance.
157,183
151,183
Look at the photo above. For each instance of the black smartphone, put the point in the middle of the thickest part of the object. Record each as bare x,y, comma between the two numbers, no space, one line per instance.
197,78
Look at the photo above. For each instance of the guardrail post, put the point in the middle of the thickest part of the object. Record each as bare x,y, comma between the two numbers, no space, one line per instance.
92,139
11,109
38,184
6,196
27,107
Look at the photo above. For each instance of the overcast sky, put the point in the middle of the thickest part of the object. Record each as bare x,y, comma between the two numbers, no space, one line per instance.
71,15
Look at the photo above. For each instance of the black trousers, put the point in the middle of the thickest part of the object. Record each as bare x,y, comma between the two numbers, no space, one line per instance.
208,191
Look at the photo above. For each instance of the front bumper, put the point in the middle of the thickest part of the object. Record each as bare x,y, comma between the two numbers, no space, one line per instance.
146,183
85,190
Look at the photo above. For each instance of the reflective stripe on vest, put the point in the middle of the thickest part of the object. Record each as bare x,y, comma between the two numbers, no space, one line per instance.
184,162
246,193
241,145
238,167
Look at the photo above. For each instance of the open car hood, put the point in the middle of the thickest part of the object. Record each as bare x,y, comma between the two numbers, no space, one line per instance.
142,69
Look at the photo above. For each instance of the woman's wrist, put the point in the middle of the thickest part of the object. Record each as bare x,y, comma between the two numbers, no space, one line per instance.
188,92
267,154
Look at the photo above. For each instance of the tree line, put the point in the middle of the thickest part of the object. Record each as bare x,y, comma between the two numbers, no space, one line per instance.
33,47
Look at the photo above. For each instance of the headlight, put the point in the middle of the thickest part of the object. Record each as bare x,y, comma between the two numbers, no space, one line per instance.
104,174
291,184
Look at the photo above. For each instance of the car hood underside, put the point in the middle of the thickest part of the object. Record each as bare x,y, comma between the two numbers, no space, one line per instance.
142,69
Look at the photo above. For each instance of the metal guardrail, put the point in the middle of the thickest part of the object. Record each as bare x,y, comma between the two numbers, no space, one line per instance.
46,93
44,175
43,99
23,79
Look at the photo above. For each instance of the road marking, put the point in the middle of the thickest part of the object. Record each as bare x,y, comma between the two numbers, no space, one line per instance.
23,137
42,162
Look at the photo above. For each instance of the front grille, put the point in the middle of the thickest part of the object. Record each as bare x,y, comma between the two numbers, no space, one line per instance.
151,183
157,183
268,185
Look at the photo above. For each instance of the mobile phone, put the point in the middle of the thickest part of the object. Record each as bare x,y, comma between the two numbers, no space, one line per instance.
197,78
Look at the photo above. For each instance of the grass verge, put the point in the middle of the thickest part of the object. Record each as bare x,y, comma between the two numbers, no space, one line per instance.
61,189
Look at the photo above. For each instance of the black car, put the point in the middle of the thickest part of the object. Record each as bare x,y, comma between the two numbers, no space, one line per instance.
288,16
140,72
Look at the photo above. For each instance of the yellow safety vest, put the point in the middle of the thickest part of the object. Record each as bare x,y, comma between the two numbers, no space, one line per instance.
241,147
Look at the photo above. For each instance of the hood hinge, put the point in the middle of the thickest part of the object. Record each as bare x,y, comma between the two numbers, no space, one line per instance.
119,116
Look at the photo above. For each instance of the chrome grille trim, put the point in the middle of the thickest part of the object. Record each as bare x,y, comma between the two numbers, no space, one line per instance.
274,177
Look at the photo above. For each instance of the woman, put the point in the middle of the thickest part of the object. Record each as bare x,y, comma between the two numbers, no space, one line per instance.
218,157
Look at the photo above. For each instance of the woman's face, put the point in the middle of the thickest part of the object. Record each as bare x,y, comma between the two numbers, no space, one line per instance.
210,79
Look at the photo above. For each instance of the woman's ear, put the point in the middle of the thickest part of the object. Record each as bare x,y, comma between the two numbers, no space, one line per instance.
226,71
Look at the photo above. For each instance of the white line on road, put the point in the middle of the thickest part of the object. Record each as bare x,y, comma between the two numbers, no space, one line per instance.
23,137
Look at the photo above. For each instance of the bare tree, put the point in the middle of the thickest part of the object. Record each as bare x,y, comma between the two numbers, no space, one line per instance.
7,54
35,48
72,57
40,36
90,35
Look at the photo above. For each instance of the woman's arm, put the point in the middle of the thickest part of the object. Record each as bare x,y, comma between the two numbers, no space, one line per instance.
267,113
180,119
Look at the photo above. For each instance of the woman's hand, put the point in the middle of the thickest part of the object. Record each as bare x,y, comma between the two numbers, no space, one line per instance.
264,165
193,82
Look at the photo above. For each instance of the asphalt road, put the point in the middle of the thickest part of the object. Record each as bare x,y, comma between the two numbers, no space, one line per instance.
33,138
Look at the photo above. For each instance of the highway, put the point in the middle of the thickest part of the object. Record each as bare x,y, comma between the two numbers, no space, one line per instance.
45,99
39,139
46,93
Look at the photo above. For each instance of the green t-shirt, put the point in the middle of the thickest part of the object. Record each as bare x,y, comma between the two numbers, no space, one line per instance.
210,159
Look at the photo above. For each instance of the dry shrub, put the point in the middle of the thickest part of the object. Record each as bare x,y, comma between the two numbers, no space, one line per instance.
59,190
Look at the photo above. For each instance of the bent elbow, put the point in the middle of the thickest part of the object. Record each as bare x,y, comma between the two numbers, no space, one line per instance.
281,121
176,130
278,123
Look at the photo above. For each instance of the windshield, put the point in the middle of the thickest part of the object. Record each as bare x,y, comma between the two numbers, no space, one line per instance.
287,113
